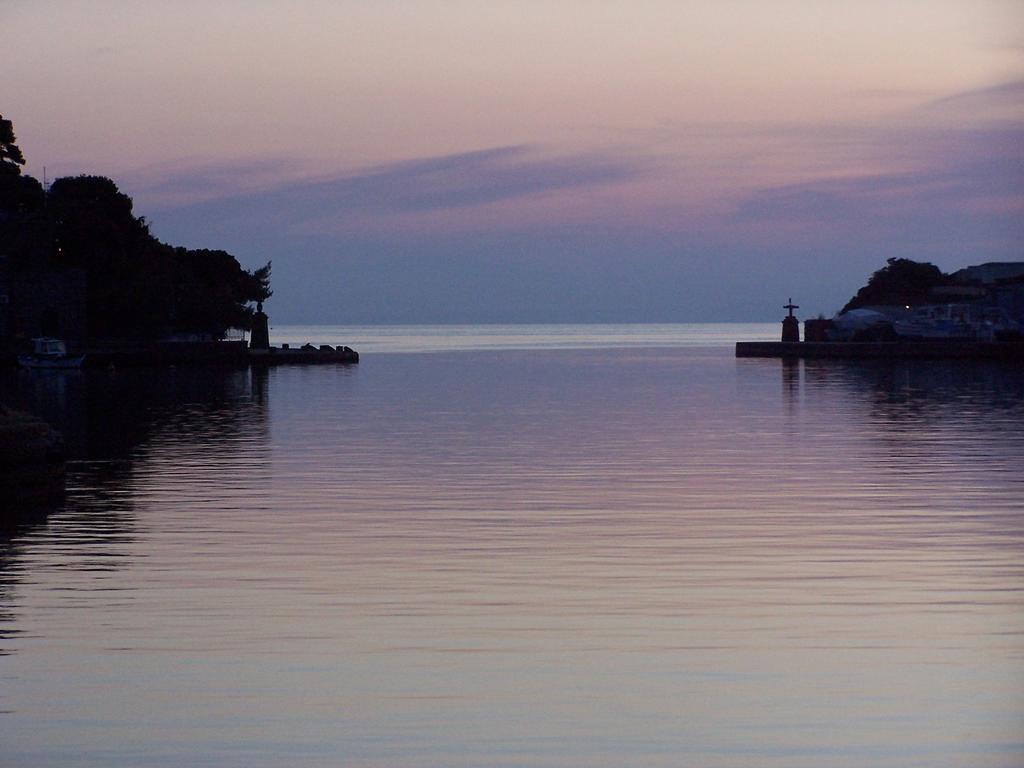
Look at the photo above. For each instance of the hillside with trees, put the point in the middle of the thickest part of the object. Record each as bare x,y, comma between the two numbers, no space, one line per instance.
901,282
137,287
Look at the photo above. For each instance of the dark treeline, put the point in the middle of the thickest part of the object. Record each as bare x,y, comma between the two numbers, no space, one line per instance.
900,282
137,286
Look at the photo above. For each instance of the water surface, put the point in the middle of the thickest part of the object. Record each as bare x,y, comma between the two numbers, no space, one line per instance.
592,551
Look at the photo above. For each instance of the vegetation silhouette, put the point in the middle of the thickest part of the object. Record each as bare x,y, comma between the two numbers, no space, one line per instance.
18,194
901,282
11,156
138,288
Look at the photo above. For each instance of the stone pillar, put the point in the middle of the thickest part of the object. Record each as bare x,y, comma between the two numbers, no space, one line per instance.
260,336
790,325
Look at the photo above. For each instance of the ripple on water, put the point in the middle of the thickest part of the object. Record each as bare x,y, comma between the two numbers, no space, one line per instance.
556,557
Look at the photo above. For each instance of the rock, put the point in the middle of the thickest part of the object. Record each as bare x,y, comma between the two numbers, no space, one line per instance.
31,465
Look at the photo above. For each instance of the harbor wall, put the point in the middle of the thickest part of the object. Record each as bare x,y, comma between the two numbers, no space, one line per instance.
893,350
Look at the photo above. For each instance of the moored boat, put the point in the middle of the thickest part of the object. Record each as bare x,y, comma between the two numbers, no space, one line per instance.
956,322
50,353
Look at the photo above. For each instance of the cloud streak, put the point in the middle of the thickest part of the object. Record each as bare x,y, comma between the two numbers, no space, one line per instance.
947,173
654,228
992,101
433,184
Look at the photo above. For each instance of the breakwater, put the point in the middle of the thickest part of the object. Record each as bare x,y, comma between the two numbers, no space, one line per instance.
235,354
892,350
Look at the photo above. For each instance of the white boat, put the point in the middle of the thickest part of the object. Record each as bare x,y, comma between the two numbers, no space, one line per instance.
860,324
940,322
50,353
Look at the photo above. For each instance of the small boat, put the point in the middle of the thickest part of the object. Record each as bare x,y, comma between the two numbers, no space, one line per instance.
960,322
50,353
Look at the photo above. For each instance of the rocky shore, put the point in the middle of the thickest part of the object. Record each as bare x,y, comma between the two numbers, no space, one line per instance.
31,466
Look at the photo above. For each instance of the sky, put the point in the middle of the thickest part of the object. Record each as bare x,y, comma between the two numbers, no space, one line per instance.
421,161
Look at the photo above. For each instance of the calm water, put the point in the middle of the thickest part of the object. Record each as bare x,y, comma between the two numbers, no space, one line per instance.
556,546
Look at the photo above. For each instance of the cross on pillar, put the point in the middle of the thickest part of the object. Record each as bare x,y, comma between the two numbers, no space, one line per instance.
791,306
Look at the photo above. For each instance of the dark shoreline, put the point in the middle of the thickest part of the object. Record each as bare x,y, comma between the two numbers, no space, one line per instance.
235,354
891,350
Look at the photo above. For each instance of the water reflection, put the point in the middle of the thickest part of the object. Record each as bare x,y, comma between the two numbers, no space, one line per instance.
106,414
572,557
118,426
923,387
928,411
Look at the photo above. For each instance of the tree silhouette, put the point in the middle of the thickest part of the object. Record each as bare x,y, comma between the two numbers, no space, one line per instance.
260,289
20,195
11,158
138,286
901,282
